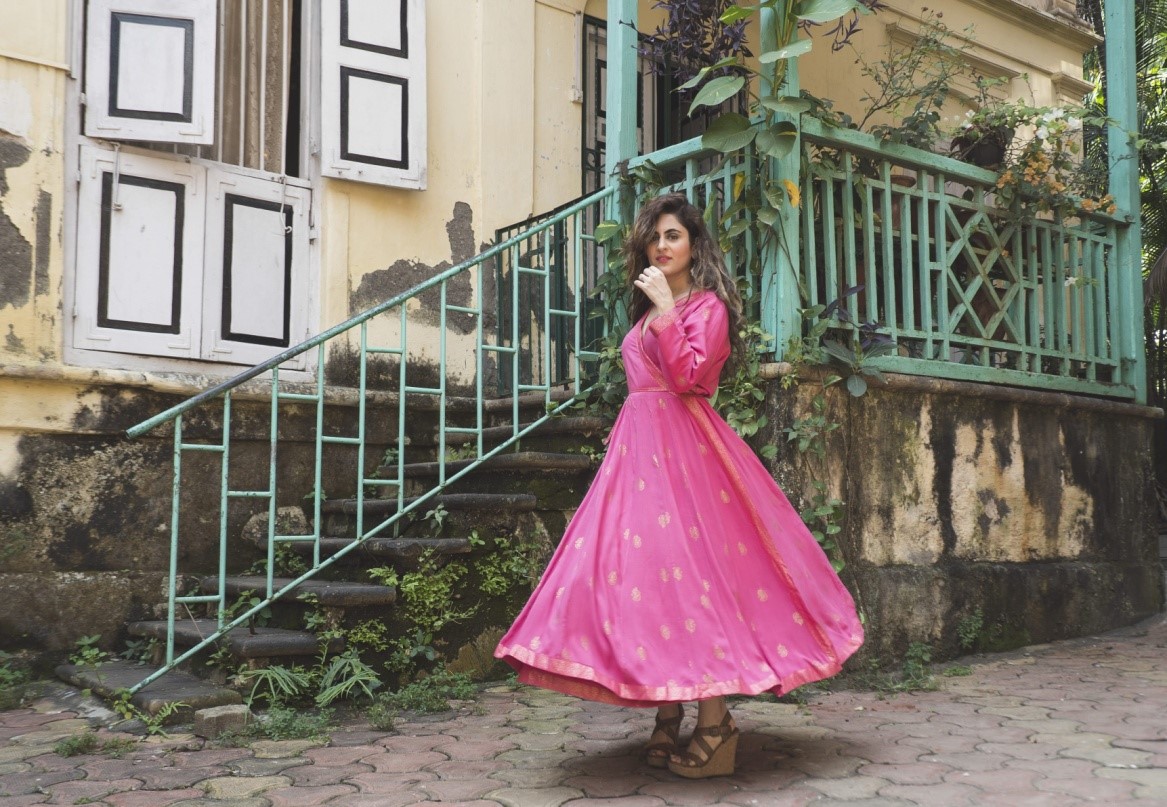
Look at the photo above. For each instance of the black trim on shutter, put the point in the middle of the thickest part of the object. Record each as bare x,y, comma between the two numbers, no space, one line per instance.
351,72
349,42
231,201
117,18
103,319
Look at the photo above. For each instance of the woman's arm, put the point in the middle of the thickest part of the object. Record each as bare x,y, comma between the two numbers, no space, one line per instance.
694,344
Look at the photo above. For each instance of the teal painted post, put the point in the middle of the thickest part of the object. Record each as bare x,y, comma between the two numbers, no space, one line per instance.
622,79
620,118
781,266
1122,107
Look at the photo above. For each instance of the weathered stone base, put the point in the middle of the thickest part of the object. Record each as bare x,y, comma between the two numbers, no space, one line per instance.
1015,603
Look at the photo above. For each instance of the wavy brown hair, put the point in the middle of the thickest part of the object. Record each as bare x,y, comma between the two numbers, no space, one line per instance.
707,268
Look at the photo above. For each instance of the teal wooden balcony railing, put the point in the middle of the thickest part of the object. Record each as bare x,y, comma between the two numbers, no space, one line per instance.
967,290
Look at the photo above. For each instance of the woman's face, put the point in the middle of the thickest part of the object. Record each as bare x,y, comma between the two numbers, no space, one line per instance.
669,248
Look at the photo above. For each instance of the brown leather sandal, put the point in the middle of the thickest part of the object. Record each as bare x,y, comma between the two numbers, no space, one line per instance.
717,761
657,754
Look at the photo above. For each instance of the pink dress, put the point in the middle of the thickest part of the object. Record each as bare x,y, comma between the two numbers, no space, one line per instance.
685,574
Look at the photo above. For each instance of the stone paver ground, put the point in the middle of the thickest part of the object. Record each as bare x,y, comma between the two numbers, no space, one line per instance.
1075,722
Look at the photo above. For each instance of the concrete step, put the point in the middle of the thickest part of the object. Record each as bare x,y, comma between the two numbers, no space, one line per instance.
174,687
243,642
534,462
554,435
557,480
467,511
400,552
327,593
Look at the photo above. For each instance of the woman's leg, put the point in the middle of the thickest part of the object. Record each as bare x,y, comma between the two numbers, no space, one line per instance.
663,742
715,726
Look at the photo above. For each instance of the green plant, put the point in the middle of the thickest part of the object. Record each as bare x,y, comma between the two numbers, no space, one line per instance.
244,602
382,716
514,563
140,650
122,704
908,88
970,629
11,676
77,744
288,563
430,694
86,653
957,671
1042,170
282,723
917,669
368,635
465,451
275,683
436,518
344,676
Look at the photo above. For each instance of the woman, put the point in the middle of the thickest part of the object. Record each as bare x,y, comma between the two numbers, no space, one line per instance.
685,574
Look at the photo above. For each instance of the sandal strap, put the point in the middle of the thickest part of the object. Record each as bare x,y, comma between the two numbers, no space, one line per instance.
724,730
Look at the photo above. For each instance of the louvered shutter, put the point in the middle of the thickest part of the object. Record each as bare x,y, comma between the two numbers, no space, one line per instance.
150,70
373,91
139,254
257,267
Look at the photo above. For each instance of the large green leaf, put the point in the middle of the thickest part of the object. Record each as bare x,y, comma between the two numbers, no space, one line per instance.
606,231
791,51
856,386
717,91
736,14
826,10
729,132
768,216
778,140
704,71
788,104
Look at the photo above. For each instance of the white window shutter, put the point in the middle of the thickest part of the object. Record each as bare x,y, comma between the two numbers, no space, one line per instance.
373,91
257,285
139,254
150,70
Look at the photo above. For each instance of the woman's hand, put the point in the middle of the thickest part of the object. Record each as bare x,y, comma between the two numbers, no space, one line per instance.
655,286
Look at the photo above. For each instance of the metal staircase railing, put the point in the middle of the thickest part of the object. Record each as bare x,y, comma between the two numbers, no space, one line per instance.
380,336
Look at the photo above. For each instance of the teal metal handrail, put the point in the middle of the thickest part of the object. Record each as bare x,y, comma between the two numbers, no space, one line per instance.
573,219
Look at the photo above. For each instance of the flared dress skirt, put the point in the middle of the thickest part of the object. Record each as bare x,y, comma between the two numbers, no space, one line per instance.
685,573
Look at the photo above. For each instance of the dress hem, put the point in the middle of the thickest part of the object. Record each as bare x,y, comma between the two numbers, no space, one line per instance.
580,680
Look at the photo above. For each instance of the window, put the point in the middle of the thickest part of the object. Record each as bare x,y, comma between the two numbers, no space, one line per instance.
194,219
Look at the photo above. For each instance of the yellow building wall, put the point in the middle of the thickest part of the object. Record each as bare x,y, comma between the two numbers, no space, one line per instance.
32,104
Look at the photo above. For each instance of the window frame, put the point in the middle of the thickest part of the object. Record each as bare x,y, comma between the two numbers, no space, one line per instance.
76,354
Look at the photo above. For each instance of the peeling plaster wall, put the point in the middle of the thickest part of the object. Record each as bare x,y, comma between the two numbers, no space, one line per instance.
1040,516
32,92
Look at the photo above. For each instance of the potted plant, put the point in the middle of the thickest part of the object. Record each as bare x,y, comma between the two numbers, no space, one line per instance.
1038,152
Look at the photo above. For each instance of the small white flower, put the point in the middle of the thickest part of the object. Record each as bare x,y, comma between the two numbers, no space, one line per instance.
1042,132
1057,112
1074,123
1071,282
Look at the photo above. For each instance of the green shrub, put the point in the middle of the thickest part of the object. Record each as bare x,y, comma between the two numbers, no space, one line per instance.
430,694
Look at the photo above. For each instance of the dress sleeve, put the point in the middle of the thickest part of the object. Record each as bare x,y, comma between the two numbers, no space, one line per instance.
694,344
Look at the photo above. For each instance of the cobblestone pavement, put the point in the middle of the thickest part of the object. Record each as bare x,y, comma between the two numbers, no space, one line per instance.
1082,721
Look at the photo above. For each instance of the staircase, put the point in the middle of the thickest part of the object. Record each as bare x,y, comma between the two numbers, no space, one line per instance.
532,488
